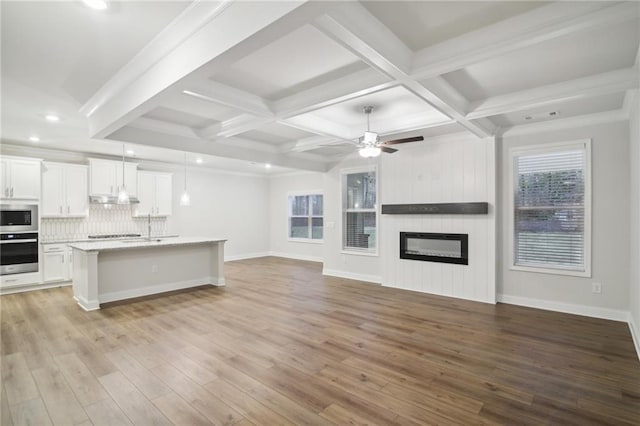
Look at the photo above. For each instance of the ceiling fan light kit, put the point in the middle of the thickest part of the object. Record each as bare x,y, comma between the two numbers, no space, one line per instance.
369,144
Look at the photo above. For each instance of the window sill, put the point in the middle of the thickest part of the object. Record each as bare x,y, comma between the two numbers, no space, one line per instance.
552,271
359,252
304,240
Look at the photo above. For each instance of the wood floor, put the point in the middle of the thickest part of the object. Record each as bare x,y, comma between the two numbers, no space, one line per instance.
281,344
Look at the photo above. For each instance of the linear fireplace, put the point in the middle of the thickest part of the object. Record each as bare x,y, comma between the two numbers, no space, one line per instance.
434,247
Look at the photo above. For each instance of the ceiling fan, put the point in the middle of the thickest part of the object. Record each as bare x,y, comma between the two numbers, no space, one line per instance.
370,145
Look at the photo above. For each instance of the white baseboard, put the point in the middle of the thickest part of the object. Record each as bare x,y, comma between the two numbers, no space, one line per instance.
35,287
568,308
350,275
245,256
160,288
296,256
633,327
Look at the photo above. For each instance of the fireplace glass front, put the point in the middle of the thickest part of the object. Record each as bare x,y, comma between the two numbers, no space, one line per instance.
435,247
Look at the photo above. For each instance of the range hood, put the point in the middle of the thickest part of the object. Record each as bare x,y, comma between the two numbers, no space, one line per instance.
110,199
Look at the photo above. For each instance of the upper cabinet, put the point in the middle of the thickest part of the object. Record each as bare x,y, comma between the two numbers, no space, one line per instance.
106,177
20,178
64,190
154,193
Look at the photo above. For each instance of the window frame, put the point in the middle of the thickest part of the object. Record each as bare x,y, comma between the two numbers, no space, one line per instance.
343,211
547,149
310,216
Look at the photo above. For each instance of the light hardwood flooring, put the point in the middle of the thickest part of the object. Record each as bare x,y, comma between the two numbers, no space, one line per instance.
281,344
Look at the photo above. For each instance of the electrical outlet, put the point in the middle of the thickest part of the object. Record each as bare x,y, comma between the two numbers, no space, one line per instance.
154,268
596,288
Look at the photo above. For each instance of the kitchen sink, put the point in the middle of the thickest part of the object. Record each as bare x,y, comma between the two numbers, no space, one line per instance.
143,240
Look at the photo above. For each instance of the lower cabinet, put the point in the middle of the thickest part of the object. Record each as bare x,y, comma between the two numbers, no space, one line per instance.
57,263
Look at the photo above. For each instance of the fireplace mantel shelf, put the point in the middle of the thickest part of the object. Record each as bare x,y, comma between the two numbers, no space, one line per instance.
437,208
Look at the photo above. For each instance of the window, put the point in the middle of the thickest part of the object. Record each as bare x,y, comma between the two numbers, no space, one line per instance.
552,209
305,217
359,215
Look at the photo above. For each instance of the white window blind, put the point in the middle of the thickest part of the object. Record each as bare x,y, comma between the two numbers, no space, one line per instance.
359,211
306,216
550,209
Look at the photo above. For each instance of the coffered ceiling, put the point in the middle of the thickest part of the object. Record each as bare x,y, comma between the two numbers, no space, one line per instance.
285,82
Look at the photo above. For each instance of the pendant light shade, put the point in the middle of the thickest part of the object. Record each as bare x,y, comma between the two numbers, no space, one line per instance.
123,196
185,200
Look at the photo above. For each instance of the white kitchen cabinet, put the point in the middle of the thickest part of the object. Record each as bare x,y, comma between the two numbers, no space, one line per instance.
64,190
106,177
57,265
20,178
154,193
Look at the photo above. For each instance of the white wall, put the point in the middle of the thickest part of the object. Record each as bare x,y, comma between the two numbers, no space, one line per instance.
225,205
279,189
634,275
337,263
452,170
610,230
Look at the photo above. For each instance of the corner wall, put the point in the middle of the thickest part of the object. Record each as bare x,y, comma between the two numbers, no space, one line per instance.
279,244
336,263
224,205
634,252
454,169
610,230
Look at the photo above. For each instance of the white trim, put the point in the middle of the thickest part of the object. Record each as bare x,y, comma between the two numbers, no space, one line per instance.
306,240
358,252
376,279
569,308
296,256
541,149
352,170
554,271
634,334
33,287
246,256
88,306
160,288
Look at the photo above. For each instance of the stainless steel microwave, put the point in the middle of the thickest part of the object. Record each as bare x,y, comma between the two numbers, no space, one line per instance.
18,218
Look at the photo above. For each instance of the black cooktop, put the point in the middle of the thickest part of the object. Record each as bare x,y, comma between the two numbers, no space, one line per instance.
107,236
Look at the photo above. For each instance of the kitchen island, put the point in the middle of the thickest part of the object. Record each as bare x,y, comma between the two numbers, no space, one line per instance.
106,271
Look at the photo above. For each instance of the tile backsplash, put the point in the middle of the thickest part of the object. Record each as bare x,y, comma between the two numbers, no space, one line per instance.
102,219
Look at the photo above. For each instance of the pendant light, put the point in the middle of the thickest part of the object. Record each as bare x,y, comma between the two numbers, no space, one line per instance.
123,197
185,200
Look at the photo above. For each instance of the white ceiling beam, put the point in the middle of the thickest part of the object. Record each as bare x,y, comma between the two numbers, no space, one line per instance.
539,25
229,150
355,28
314,124
141,86
163,126
231,97
595,85
351,86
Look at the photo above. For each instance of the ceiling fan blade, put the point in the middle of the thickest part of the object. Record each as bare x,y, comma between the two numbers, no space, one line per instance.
387,149
405,140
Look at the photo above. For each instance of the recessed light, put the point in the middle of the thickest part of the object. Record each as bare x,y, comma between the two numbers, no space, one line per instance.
267,166
34,138
131,152
528,117
199,160
52,118
96,4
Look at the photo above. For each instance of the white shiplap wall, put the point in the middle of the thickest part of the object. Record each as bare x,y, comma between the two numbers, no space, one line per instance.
441,171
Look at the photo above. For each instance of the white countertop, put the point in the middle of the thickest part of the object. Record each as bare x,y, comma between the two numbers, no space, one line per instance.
141,243
93,240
